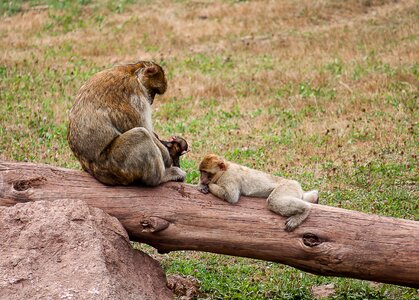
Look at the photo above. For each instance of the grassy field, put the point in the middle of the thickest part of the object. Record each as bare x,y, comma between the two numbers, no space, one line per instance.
325,92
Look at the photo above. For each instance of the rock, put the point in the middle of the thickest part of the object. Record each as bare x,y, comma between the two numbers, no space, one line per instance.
323,291
185,288
67,250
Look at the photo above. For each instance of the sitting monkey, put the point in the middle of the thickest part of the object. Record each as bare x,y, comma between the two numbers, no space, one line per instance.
177,147
110,129
228,181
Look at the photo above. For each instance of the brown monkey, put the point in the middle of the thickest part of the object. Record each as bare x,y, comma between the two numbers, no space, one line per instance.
111,132
228,181
177,147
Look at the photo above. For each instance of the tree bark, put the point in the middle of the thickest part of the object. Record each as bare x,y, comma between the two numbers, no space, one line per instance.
175,216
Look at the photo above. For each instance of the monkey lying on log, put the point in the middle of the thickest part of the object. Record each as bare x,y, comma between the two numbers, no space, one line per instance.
228,181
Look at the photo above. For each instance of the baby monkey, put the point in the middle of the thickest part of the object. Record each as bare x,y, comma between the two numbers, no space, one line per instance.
177,147
228,181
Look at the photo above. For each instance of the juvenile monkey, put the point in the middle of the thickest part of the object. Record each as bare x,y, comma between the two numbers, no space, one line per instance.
111,132
177,147
228,181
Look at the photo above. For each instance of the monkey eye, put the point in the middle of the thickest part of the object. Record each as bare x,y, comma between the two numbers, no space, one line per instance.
206,174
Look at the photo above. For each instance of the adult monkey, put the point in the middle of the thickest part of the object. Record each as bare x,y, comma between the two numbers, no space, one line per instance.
111,132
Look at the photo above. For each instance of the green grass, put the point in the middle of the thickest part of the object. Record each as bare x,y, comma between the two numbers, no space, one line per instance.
227,277
326,94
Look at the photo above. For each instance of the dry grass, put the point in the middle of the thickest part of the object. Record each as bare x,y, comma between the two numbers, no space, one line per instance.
325,92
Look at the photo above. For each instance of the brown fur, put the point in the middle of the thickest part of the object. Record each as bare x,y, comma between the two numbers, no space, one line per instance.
110,129
210,161
177,147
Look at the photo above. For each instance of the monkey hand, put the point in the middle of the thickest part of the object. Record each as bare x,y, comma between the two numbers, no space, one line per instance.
292,222
203,188
181,175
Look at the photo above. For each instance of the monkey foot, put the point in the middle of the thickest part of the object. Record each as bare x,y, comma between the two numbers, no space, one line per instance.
311,196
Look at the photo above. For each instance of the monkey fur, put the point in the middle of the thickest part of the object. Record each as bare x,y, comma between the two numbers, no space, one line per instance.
177,147
110,130
228,181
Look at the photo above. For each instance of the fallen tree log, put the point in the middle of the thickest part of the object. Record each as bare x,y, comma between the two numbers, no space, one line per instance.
175,216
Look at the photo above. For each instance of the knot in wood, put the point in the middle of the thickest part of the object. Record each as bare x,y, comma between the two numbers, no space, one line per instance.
311,240
154,224
26,184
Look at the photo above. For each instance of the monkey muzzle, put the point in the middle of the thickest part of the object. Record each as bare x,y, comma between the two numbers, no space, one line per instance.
184,152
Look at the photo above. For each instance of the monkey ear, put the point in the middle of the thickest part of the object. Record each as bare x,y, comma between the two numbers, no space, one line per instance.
151,71
222,166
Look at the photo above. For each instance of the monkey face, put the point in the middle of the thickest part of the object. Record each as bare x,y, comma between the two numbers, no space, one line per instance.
152,77
205,177
177,146
182,145
209,167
